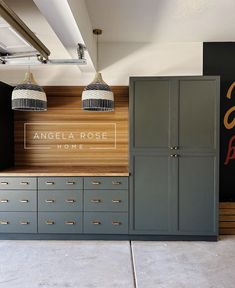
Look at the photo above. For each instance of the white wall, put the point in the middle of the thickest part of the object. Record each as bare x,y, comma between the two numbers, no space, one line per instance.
119,61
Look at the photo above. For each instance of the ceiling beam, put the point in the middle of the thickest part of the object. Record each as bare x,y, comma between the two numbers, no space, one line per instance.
69,30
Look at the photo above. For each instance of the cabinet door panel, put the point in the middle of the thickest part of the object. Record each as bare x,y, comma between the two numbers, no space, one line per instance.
197,114
197,195
151,195
151,114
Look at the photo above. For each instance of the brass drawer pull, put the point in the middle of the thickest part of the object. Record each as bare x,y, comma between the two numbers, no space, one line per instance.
4,201
4,183
116,182
116,201
49,201
95,200
96,183
50,183
96,222
116,223
24,223
4,222
70,183
24,183
70,222
24,201
70,200
50,222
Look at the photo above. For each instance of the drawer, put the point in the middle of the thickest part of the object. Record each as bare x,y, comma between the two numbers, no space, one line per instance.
18,200
105,223
106,183
18,222
60,222
18,183
60,200
106,200
60,183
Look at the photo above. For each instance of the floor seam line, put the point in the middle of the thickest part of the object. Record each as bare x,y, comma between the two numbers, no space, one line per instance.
133,266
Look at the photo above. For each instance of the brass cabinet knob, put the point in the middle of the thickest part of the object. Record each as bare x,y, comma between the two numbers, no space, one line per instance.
50,222
24,183
70,222
4,200
50,183
70,183
95,200
3,222
116,223
96,183
116,182
24,201
174,148
116,201
174,155
49,201
70,200
96,222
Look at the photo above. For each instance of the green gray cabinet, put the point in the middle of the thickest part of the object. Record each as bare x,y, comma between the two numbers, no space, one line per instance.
18,205
106,205
64,205
174,126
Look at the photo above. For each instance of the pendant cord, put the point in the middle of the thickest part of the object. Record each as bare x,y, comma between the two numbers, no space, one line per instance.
97,51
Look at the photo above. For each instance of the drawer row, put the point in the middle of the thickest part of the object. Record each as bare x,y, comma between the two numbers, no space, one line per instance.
64,200
64,222
55,183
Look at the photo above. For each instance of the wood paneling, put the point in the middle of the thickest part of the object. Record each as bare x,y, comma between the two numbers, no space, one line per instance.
64,115
227,218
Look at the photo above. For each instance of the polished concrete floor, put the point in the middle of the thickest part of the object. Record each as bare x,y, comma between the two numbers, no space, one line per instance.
117,264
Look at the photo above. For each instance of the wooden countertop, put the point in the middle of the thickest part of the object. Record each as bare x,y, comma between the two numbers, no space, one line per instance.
65,171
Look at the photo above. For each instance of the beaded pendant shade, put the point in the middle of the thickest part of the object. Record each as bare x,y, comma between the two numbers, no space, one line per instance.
97,96
29,96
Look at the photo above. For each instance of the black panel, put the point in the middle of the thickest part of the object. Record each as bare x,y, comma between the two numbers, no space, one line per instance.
219,59
6,127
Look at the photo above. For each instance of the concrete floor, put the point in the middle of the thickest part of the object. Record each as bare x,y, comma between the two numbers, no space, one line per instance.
111,264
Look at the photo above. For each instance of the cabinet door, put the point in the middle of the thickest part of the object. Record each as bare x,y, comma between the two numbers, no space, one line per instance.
197,195
150,195
151,113
198,114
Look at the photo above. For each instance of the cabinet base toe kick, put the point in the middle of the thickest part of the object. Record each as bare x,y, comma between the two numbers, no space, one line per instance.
119,237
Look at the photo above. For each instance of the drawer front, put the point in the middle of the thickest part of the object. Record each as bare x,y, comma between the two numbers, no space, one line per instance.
18,200
106,183
60,222
105,223
60,183
60,200
18,222
18,183
106,200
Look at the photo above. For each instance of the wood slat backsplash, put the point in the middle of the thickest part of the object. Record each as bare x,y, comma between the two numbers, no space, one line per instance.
64,114
227,218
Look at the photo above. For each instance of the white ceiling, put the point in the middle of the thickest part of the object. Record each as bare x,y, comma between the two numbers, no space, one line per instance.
164,20
142,25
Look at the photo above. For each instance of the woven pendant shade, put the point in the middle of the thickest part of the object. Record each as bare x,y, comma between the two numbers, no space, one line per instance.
97,96
29,96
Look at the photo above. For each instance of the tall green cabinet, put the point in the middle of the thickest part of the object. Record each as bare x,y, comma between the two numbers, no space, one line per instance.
174,139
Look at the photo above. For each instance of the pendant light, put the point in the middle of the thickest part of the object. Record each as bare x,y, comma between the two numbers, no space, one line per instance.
97,96
28,95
